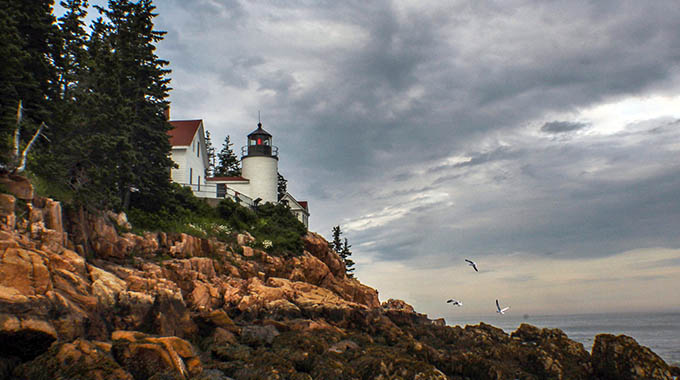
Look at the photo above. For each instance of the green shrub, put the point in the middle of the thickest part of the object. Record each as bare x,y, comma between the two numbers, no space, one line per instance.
274,227
238,217
270,223
277,224
50,188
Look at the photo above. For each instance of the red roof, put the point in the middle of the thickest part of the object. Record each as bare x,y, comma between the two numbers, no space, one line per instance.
183,131
226,179
303,204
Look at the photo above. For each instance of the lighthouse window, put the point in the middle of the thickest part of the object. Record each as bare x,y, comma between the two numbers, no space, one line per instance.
259,141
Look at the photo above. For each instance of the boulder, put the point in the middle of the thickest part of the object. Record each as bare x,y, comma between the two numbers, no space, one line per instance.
621,357
25,337
258,335
120,219
106,286
183,245
316,245
244,239
144,356
219,319
51,213
7,204
18,186
552,354
77,359
25,271
399,305
7,217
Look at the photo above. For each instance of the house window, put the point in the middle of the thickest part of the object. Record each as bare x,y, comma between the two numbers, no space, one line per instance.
198,149
191,175
199,183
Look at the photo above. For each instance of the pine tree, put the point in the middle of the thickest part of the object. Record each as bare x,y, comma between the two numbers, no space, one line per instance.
345,254
145,89
28,37
227,162
72,58
210,170
56,157
281,186
119,137
336,244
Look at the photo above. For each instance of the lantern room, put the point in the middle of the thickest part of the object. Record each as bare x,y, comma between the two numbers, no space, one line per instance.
259,143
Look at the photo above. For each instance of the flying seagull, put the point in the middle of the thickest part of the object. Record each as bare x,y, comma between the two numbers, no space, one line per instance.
499,310
455,302
472,264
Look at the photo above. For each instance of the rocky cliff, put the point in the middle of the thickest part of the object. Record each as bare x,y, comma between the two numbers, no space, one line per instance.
78,300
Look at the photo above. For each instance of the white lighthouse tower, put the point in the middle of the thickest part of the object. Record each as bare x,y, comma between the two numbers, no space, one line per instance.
260,165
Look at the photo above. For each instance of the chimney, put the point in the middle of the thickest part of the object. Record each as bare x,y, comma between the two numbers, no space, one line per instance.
166,112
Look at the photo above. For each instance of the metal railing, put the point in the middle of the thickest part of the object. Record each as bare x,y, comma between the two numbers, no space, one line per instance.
264,150
216,191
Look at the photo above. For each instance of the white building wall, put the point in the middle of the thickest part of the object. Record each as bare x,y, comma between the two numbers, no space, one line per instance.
262,171
179,175
192,161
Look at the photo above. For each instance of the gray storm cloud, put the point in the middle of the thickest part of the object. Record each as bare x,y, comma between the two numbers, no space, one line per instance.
407,122
562,126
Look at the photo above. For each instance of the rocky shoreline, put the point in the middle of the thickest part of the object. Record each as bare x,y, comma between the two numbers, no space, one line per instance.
78,300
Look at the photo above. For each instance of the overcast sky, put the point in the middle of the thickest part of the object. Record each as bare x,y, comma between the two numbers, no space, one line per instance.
539,138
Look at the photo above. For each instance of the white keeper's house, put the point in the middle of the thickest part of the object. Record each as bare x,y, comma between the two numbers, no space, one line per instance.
259,169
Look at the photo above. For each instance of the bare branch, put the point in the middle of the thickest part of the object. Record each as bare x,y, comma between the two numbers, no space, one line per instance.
22,166
17,132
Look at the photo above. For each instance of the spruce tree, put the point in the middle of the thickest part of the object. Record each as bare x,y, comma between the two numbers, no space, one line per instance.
56,157
125,146
345,254
336,244
210,170
281,186
71,60
28,38
227,162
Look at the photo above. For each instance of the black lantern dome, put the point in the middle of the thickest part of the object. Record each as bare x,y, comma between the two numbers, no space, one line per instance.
260,143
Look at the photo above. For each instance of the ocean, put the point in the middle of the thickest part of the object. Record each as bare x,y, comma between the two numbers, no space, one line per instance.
658,331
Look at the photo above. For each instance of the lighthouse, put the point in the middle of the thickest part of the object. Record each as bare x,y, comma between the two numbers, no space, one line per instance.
260,164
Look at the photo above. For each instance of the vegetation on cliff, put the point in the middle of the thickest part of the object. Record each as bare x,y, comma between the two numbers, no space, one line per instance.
102,93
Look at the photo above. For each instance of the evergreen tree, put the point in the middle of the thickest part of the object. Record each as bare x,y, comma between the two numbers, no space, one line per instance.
55,158
342,247
210,170
336,244
345,254
113,132
227,162
72,58
145,90
28,37
281,186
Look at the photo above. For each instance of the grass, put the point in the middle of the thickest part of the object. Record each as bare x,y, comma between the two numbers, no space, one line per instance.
50,189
